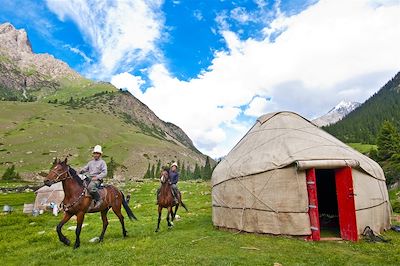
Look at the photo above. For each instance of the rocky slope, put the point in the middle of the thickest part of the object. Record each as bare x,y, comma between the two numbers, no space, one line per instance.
22,71
133,111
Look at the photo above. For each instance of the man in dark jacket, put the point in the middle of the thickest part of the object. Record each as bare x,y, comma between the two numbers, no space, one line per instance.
174,178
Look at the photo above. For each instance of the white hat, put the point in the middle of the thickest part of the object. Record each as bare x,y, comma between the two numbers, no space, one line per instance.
175,164
97,149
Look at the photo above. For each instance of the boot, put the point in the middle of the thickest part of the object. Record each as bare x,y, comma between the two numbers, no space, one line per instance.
97,200
174,195
175,200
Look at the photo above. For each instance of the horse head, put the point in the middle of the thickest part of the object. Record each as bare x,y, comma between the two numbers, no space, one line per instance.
58,172
164,176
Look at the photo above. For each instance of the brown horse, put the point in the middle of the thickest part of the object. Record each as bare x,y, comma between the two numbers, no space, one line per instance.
77,201
166,200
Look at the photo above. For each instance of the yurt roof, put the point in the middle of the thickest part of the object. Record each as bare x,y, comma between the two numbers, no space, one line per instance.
282,138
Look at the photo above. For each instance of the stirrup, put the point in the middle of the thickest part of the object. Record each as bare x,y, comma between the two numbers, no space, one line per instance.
97,203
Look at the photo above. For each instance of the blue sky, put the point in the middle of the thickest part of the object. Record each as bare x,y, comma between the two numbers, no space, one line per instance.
190,34
212,67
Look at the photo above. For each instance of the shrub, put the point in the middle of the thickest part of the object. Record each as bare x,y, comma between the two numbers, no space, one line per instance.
396,206
11,174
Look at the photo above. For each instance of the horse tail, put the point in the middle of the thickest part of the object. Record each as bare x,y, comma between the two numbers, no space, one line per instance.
184,206
127,209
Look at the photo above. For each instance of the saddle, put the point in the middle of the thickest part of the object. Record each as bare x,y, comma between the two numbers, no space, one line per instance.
101,190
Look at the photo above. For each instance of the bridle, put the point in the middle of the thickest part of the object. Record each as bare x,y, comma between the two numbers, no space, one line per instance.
61,177
58,179
164,179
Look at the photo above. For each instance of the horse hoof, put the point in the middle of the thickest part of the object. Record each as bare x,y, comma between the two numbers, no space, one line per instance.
66,242
156,231
76,246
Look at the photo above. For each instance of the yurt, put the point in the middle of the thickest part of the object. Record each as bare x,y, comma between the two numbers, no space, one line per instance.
286,176
46,195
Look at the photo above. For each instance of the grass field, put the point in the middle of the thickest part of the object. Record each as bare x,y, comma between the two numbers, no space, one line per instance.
27,240
77,89
361,147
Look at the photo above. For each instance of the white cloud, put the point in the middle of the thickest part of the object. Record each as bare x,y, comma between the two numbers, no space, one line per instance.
121,32
198,15
221,20
240,14
334,49
257,107
78,52
130,82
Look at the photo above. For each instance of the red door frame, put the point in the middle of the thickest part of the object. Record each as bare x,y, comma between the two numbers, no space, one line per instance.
346,206
313,205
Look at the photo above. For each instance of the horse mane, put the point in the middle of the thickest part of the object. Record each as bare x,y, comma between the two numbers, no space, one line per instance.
75,176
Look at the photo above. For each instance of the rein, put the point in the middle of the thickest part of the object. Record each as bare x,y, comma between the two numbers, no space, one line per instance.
66,207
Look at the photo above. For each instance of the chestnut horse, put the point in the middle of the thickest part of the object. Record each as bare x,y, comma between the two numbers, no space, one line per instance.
77,201
166,200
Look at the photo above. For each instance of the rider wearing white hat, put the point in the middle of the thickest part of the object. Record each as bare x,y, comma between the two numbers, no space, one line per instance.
95,170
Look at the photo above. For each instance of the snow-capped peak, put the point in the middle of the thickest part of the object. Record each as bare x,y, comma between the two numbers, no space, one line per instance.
345,106
336,113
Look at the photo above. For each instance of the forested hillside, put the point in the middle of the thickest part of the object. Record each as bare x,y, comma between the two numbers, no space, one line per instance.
362,125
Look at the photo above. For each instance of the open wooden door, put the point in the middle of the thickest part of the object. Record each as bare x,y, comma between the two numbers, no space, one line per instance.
313,205
346,206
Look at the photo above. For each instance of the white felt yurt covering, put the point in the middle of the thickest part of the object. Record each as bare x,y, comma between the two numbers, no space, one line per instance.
45,195
260,186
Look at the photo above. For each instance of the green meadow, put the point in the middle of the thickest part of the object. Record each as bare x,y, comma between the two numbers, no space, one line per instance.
363,148
28,240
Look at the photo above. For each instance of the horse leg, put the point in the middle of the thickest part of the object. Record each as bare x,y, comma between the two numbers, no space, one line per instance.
80,216
159,218
105,223
62,237
168,216
117,210
174,213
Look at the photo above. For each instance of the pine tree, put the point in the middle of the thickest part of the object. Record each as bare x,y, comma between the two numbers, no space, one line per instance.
197,172
111,167
152,171
147,174
388,141
158,169
189,174
182,173
11,174
207,171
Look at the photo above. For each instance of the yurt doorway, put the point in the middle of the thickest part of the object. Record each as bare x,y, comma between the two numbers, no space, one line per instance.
331,203
327,203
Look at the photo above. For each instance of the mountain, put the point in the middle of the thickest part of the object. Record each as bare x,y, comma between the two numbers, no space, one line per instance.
22,72
362,124
336,113
48,110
